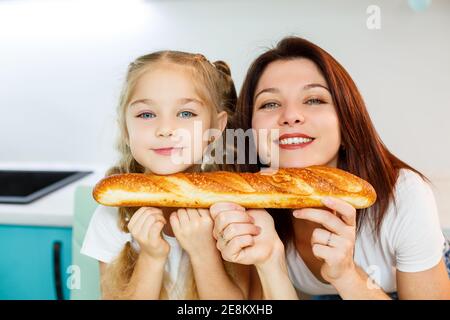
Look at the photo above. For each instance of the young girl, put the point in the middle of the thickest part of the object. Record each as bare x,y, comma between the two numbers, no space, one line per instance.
302,91
151,253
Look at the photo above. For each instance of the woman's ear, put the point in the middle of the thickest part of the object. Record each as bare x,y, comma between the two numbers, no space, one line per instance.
222,118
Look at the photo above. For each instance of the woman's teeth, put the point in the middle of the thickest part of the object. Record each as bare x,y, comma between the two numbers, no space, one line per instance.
295,140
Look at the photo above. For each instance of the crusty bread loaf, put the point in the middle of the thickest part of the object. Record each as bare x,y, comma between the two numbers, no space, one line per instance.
286,188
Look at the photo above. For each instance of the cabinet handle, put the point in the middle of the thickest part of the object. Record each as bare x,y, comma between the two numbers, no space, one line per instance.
57,270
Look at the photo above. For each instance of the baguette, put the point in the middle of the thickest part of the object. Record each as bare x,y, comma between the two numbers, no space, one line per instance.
285,188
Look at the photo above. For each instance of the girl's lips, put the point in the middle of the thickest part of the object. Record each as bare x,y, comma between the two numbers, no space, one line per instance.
166,151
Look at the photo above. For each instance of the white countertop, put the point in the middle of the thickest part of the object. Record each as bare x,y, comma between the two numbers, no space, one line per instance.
54,209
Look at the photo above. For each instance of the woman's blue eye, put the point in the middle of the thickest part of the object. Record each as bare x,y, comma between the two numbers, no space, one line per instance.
146,115
187,114
270,105
314,101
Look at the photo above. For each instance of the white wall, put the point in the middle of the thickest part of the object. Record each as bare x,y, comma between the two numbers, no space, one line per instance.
62,64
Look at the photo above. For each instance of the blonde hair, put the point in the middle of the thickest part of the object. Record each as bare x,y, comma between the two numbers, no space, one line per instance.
215,87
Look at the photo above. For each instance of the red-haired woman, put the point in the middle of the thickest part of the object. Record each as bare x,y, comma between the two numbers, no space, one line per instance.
302,91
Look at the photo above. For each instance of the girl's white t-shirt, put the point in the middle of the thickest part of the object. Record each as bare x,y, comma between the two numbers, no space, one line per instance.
104,240
411,240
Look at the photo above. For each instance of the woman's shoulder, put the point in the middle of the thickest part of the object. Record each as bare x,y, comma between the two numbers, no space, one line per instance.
411,185
413,205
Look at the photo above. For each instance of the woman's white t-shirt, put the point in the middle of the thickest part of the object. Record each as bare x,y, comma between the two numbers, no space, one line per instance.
411,240
104,240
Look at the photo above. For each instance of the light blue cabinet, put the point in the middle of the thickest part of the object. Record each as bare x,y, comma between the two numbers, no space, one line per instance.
34,262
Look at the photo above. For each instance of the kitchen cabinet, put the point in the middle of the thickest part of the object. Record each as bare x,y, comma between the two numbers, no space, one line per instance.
34,262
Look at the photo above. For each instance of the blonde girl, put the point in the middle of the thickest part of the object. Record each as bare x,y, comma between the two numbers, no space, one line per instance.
166,253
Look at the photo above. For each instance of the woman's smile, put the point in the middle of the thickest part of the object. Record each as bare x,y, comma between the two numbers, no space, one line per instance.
294,141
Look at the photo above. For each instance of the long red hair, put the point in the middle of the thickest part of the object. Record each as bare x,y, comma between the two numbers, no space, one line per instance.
362,152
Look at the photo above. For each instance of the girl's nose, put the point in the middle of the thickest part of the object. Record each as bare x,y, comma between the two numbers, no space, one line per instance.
164,131
291,115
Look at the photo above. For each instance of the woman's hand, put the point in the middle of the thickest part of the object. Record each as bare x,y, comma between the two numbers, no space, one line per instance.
193,230
145,226
334,244
244,236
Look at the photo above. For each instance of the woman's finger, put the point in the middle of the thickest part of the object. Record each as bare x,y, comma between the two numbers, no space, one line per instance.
234,251
323,217
322,252
324,237
239,229
218,207
224,218
345,210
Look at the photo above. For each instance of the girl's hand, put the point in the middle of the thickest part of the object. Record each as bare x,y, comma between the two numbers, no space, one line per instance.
145,226
334,244
193,230
244,236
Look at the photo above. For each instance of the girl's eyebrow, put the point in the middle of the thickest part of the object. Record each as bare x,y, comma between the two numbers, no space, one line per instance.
144,101
188,100
179,101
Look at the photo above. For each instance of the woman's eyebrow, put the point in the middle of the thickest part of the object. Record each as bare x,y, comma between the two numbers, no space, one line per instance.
271,90
306,87
315,85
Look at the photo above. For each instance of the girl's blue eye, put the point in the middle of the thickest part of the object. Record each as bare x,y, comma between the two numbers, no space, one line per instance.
146,115
270,105
186,114
314,101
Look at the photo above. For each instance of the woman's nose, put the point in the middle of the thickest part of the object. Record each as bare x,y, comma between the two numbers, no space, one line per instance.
291,115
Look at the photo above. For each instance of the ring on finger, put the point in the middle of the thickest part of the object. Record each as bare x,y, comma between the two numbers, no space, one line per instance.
329,238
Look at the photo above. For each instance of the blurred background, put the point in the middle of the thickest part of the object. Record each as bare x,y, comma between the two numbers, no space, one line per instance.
62,64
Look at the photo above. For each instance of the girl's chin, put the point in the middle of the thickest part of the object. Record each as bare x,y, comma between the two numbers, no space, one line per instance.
167,169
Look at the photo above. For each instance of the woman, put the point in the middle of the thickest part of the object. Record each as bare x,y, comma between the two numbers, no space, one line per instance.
300,90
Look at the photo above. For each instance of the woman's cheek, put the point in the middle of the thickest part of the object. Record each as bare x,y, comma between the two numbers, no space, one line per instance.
262,137
330,135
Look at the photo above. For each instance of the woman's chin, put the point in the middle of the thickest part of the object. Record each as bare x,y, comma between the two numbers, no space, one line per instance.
295,163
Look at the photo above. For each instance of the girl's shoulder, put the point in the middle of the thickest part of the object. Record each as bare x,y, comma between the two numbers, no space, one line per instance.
104,239
106,214
106,219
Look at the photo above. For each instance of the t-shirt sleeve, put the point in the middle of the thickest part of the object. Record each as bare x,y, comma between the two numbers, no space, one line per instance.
104,240
416,235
